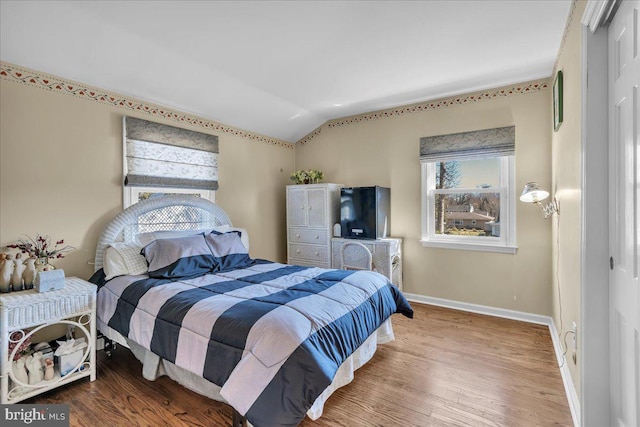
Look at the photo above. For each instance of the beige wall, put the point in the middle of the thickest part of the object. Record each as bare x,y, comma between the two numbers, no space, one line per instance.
567,183
384,151
61,174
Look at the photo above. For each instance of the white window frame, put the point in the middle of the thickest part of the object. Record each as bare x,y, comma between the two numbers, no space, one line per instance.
506,243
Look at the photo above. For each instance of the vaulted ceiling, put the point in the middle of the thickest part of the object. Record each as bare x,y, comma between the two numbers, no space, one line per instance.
283,68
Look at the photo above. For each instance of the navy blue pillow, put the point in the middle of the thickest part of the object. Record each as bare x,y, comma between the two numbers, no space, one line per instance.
228,250
180,257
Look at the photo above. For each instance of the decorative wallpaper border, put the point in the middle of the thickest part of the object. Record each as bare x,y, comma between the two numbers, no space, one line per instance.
33,78
528,87
310,136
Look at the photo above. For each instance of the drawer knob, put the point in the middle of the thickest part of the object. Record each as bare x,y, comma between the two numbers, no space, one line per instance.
298,235
297,251
317,254
317,236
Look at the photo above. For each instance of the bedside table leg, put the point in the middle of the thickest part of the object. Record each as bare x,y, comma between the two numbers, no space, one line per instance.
5,365
92,357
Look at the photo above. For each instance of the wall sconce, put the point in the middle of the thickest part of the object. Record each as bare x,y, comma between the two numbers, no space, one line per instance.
532,193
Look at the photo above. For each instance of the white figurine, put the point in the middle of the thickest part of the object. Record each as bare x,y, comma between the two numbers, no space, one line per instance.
34,366
29,273
16,277
5,274
19,371
3,257
48,369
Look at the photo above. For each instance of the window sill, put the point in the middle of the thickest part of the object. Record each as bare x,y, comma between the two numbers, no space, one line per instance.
503,249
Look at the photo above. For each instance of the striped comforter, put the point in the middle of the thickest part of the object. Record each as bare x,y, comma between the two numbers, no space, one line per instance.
271,335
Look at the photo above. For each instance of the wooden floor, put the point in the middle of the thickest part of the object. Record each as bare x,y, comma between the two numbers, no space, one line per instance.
445,368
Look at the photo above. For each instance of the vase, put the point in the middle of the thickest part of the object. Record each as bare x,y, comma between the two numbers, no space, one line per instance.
42,264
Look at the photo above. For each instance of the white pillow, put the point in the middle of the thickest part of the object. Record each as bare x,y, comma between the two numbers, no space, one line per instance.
124,259
143,239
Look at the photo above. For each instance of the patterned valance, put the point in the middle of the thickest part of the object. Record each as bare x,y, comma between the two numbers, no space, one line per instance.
469,145
158,155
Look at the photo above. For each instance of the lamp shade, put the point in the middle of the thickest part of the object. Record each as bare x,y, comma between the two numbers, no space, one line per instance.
532,193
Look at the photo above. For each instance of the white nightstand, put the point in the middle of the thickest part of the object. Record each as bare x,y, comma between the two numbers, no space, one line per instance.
30,312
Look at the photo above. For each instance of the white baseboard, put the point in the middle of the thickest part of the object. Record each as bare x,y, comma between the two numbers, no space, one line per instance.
480,309
569,388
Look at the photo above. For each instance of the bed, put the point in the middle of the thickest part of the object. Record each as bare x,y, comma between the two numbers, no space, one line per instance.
177,287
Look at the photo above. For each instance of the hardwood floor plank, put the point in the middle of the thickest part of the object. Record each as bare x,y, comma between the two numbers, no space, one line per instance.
446,368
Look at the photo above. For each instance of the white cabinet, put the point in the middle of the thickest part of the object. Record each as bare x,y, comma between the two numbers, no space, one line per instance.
25,313
312,210
386,254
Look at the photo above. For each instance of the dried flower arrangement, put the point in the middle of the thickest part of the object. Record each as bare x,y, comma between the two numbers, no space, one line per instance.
25,347
41,247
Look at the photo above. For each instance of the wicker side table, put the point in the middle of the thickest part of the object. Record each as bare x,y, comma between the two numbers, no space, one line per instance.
28,312
386,253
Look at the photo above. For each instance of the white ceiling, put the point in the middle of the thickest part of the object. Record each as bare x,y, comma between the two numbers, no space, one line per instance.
283,68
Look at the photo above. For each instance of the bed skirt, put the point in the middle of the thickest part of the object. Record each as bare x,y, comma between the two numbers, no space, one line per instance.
154,367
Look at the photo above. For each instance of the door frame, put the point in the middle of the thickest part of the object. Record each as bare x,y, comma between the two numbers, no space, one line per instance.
594,253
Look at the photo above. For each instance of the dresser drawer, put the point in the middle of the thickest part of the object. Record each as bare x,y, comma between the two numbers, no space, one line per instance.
308,263
318,253
299,235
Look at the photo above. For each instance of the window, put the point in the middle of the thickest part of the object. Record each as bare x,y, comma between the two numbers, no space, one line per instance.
468,199
160,159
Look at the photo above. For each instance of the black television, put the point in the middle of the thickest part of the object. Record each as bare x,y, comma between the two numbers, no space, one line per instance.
365,212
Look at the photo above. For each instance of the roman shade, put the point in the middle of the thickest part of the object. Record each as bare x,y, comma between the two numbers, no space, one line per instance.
468,145
158,155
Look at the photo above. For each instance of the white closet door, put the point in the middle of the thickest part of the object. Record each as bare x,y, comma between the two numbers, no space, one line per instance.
624,236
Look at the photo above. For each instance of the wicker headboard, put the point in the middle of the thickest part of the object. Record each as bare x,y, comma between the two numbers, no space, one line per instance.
173,212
